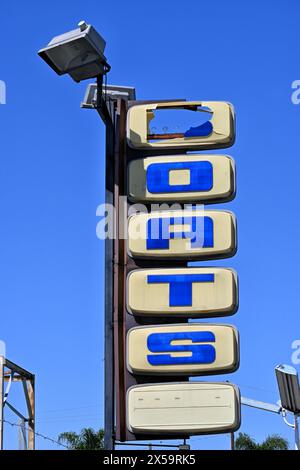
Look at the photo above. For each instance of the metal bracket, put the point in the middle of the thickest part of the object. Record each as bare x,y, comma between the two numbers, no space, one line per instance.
110,92
10,373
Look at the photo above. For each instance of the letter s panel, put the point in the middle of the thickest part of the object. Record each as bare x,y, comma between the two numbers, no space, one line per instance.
185,234
184,178
186,292
193,349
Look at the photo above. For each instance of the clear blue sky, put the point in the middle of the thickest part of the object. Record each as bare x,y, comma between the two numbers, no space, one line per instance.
52,180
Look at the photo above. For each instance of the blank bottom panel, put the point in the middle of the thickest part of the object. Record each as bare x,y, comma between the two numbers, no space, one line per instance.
183,408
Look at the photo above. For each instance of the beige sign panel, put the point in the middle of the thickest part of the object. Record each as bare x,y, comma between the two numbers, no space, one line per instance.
191,349
184,178
216,132
188,408
186,292
184,234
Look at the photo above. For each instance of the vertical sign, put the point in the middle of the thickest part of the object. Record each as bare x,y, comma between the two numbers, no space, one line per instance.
157,293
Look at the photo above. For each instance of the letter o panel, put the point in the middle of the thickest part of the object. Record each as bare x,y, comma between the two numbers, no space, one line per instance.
186,178
184,408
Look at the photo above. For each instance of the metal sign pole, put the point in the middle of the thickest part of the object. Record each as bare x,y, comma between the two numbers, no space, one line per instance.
106,113
297,436
109,296
22,435
112,112
120,261
232,443
1,400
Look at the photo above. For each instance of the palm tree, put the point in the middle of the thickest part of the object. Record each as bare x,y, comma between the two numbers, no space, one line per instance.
273,442
88,439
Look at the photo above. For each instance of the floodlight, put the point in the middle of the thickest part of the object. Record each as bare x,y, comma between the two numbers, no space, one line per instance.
79,52
288,384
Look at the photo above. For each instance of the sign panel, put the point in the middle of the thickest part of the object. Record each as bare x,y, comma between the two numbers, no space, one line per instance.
185,178
183,408
188,234
192,349
186,292
217,130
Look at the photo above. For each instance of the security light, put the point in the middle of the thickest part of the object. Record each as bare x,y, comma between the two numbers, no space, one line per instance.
288,384
79,52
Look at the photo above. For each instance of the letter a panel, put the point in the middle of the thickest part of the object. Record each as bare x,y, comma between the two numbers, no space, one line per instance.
186,234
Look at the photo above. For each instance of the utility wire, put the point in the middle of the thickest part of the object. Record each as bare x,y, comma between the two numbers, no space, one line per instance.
38,434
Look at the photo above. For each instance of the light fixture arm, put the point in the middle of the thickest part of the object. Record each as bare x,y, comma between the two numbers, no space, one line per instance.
283,414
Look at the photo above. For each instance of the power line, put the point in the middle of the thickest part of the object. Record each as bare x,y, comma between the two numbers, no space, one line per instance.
260,389
38,434
58,410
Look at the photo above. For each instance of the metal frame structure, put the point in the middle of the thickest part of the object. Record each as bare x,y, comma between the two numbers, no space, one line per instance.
10,373
278,410
260,405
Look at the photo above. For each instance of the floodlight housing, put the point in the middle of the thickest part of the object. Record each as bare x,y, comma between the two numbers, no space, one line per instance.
288,384
79,53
